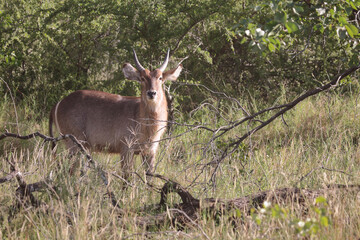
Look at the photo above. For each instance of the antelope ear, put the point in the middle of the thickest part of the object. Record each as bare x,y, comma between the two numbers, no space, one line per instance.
172,74
130,72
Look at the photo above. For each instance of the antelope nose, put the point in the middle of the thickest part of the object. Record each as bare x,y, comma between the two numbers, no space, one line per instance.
151,94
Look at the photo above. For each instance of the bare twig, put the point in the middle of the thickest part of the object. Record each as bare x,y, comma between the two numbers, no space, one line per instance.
323,168
215,92
232,147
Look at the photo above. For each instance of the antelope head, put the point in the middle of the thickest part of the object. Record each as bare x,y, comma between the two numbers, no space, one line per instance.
151,81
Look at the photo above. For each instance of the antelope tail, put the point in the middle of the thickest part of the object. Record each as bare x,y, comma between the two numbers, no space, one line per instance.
51,120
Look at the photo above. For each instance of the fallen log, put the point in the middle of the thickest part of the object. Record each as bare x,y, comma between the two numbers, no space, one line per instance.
188,212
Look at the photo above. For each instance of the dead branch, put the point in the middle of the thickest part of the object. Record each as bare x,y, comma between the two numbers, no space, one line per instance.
8,177
48,139
24,190
189,210
149,234
11,175
233,146
250,118
171,186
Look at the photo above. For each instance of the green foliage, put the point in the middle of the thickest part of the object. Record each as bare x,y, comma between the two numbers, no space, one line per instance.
293,43
303,228
52,48
252,48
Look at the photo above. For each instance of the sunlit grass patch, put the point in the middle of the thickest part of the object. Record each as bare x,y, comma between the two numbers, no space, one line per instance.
316,144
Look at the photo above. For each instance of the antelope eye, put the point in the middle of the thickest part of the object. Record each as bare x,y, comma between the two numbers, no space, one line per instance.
160,78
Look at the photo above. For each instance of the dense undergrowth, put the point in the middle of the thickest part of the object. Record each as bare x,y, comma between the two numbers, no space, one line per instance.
313,145
250,53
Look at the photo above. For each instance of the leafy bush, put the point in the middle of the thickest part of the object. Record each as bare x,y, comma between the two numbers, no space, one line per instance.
248,48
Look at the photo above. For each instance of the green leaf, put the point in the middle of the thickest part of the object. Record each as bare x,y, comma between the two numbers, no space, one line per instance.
315,228
291,27
332,13
206,55
342,20
298,9
252,211
281,17
352,30
238,213
324,221
278,42
352,5
272,40
320,199
271,47
341,33
349,30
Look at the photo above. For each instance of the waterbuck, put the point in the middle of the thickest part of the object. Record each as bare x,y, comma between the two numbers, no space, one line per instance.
112,123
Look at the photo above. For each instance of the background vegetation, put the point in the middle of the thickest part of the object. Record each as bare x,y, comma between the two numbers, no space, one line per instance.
252,54
248,48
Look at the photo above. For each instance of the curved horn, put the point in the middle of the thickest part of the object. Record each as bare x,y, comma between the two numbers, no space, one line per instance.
166,61
137,63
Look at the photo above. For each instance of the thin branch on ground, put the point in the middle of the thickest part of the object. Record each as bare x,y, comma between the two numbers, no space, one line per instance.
323,168
149,234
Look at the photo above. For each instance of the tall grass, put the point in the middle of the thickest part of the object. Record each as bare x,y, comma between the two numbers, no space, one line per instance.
315,144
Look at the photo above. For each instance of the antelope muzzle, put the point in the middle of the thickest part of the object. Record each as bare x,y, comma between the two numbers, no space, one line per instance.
151,94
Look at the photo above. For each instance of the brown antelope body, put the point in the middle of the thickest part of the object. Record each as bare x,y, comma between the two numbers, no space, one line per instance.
118,124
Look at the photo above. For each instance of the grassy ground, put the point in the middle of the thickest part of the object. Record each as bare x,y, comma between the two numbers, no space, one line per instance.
315,144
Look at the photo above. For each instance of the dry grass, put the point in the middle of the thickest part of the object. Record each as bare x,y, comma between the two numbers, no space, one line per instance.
318,146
